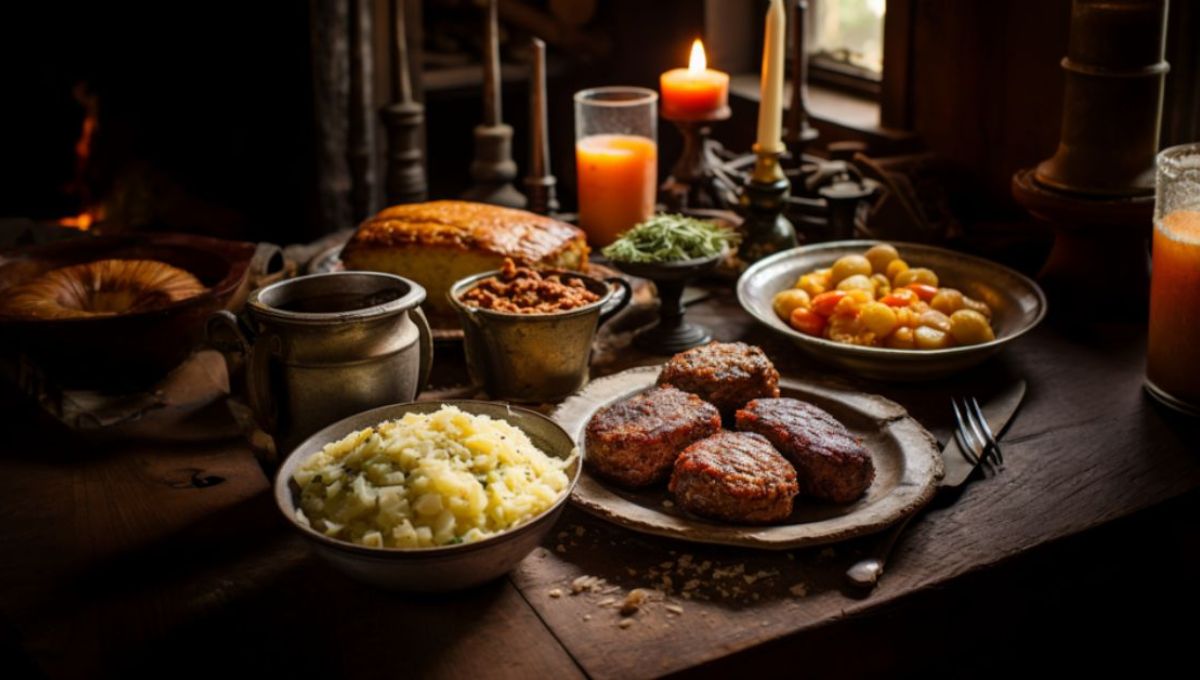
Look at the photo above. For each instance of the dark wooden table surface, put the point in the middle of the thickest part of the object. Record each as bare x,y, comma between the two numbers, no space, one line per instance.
115,563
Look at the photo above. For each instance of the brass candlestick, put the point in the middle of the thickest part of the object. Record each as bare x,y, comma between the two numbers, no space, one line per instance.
539,183
493,169
406,181
693,182
762,202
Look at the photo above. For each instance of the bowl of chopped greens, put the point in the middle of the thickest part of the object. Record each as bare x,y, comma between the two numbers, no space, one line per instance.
671,250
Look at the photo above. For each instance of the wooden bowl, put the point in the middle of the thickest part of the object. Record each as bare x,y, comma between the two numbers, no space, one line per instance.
125,351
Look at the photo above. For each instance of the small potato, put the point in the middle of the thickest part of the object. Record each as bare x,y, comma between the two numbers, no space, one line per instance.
934,319
848,266
907,316
916,275
976,305
880,256
812,284
896,268
969,327
882,285
930,338
901,338
787,300
878,318
852,304
857,282
947,301
860,296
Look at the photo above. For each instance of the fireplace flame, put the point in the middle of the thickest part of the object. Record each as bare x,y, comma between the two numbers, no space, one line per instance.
83,151
83,221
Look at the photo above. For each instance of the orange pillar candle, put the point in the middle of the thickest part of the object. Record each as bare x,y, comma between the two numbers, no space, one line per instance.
617,183
696,92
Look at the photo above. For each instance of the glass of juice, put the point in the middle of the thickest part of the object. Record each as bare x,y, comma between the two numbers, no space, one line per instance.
616,159
1173,350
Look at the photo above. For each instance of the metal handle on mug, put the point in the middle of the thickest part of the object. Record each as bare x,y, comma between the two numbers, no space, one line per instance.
426,355
227,333
618,301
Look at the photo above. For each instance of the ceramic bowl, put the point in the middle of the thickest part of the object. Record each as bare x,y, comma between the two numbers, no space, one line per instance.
451,567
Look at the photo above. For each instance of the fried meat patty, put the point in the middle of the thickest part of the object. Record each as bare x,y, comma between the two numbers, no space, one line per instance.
635,442
725,374
736,477
831,463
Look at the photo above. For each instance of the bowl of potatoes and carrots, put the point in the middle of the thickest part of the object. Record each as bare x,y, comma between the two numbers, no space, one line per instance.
898,311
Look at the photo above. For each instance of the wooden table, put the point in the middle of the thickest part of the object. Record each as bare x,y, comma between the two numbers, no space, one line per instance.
114,562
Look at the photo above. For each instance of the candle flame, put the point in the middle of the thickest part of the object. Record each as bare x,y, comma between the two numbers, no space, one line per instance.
698,63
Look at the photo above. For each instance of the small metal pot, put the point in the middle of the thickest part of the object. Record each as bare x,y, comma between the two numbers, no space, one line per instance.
535,357
323,347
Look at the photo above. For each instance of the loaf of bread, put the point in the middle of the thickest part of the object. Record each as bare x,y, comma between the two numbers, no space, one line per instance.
439,242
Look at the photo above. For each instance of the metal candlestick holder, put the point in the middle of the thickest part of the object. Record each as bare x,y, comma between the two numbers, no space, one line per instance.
814,198
493,169
406,182
798,132
539,183
763,200
693,182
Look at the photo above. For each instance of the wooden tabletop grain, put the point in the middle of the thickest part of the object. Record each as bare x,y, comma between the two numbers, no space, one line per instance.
115,562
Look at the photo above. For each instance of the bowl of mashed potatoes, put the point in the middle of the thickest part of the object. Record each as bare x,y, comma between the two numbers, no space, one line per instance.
429,496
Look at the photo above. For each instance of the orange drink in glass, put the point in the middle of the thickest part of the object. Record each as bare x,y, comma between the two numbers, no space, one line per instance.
616,159
1173,349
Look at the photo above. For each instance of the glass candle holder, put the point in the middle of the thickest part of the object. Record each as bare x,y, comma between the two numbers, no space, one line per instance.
1173,350
616,159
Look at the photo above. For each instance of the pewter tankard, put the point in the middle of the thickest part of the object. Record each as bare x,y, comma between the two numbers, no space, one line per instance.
322,347
535,357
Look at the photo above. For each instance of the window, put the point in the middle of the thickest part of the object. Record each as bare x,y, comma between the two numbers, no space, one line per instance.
845,42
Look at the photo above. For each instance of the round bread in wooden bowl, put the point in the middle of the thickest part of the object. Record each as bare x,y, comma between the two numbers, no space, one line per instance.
122,351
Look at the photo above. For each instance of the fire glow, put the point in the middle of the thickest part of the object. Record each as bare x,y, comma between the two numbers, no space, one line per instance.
83,150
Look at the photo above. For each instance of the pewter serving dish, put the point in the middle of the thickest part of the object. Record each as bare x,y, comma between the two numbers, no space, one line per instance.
450,567
1017,304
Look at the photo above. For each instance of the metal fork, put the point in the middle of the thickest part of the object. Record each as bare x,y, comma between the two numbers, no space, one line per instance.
975,438
978,445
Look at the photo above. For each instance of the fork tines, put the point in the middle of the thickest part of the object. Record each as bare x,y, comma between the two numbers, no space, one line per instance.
975,437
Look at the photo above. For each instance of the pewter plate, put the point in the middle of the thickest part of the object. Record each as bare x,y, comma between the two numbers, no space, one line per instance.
907,462
1017,303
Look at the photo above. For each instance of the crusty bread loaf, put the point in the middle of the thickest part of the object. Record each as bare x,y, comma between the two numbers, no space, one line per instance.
440,242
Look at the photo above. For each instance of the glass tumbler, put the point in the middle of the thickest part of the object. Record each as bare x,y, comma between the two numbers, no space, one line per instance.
616,159
1173,350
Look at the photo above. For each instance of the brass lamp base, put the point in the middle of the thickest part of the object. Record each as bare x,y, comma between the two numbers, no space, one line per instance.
763,200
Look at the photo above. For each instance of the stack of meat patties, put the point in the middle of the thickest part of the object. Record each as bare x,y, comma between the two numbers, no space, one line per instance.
782,447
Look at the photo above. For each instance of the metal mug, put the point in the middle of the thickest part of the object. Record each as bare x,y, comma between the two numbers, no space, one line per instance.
323,347
535,357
